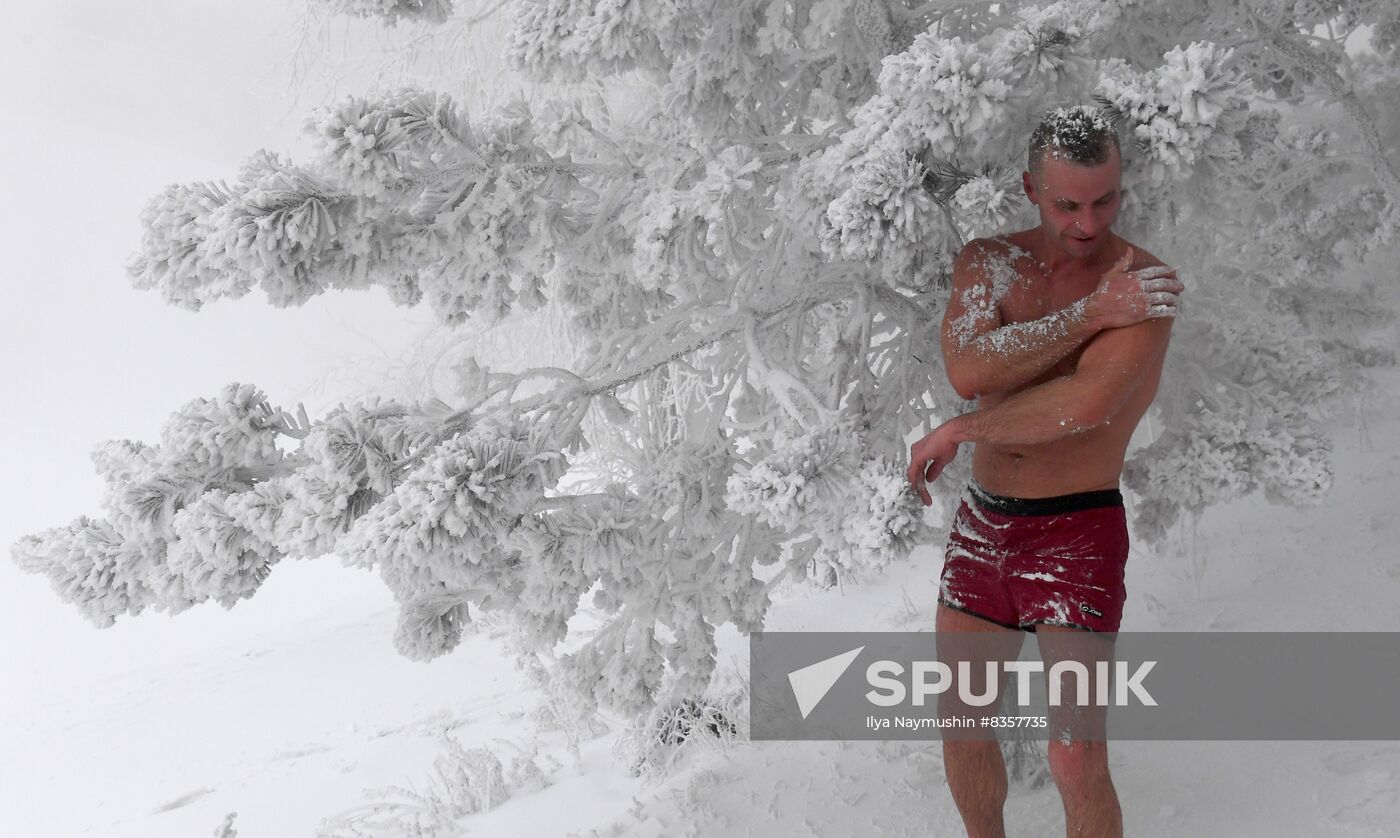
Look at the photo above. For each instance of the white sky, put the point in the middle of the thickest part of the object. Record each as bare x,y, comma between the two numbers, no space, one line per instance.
106,104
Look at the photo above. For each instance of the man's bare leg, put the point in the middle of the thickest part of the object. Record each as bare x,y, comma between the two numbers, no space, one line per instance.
975,769
1079,762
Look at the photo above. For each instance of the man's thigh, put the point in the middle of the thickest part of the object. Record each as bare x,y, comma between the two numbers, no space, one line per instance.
1071,572
1078,671
964,638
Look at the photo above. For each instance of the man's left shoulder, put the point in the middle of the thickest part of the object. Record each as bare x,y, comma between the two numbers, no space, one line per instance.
1142,257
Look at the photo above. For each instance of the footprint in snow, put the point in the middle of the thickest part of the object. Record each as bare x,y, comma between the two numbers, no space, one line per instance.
182,800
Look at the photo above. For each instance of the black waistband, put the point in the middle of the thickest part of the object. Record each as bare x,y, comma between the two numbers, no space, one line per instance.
1055,505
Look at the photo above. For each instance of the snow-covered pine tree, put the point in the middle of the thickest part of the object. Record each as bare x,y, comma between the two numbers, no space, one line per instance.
756,251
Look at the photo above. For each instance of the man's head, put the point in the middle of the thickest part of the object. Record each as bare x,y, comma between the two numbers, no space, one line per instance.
1074,178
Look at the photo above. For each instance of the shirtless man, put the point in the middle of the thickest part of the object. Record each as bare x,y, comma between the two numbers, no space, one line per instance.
1059,332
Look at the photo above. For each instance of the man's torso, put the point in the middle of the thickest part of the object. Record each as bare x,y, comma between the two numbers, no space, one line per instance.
1080,462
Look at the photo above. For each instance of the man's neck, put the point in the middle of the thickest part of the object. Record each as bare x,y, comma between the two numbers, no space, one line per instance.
1055,260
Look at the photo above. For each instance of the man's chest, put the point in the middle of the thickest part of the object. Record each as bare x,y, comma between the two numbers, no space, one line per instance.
1032,298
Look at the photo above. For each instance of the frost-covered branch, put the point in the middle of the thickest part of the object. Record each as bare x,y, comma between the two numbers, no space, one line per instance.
750,233
1294,48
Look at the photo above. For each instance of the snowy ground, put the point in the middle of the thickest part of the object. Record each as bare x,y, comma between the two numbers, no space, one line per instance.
288,709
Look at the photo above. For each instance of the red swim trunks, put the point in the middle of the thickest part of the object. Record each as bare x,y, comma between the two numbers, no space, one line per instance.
1054,561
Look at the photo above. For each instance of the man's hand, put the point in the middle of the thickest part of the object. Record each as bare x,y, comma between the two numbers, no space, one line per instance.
1126,297
929,456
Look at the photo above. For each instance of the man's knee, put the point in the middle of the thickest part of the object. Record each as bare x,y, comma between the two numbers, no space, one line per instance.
969,748
1077,764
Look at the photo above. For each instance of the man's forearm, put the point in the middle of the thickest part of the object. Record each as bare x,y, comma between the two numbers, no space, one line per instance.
1013,355
1042,413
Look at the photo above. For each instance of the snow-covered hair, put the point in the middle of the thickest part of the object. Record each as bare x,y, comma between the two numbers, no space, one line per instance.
1081,134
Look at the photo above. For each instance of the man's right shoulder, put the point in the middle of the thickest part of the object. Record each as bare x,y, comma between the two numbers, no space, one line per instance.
998,245
985,260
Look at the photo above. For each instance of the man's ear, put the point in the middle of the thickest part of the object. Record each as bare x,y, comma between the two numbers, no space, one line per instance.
1028,184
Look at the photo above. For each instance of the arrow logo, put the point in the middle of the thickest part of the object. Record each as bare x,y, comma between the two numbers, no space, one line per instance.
810,684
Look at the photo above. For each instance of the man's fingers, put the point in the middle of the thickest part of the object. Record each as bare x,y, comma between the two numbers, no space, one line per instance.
1162,311
915,474
1162,298
1163,284
1155,271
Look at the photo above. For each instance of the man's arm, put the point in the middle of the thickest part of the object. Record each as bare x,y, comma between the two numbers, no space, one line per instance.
981,355
1113,366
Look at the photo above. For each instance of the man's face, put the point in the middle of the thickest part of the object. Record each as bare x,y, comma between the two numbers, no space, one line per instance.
1078,203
